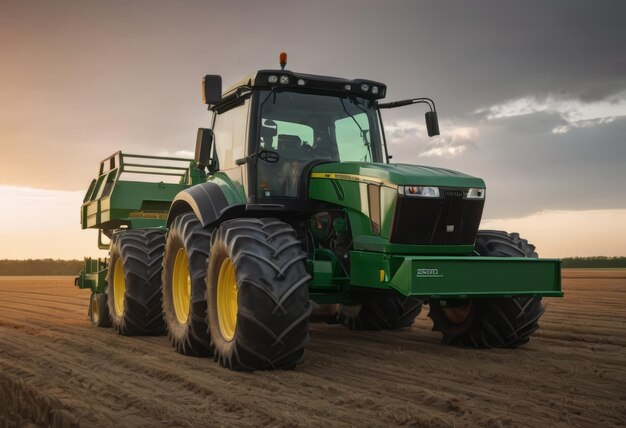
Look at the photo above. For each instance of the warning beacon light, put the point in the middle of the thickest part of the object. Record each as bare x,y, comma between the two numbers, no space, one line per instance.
283,60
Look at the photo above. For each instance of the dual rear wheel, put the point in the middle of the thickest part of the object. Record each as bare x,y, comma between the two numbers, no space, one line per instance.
238,293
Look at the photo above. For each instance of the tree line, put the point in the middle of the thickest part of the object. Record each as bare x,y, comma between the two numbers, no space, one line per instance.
40,267
594,262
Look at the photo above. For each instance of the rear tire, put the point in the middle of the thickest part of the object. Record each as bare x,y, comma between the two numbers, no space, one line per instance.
381,312
490,322
258,295
99,310
184,287
134,282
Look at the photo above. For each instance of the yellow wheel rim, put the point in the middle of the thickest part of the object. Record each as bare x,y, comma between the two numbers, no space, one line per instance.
119,287
227,299
94,308
181,287
458,314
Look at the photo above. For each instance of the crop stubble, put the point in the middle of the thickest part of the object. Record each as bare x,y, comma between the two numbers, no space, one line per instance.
58,370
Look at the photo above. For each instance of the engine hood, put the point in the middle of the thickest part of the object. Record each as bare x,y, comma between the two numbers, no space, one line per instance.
393,175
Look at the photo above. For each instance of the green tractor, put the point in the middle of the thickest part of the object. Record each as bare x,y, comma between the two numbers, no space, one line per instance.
291,213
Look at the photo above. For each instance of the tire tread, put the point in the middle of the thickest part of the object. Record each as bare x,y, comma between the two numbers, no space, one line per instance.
141,253
495,322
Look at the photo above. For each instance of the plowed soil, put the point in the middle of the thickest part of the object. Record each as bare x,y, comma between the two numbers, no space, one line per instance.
58,370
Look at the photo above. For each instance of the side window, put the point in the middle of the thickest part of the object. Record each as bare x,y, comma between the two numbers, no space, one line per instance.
230,136
350,139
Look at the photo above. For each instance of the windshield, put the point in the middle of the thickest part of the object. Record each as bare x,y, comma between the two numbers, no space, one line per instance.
325,127
304,127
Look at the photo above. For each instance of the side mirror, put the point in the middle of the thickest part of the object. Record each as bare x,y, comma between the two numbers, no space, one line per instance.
212,89
204,146
432,124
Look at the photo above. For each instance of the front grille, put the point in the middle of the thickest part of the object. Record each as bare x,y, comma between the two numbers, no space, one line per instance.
448,220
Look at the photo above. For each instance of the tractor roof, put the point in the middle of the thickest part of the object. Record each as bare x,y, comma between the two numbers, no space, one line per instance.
280,79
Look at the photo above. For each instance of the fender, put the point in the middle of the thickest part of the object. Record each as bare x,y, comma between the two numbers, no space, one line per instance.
207,201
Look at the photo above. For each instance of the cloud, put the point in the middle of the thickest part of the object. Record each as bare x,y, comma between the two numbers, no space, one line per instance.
404,131
573,112
453,141
177,154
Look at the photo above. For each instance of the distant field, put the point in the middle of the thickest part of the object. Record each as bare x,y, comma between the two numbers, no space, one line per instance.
57,370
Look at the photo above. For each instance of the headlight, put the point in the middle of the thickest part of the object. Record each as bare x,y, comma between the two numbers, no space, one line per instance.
419,191
476,193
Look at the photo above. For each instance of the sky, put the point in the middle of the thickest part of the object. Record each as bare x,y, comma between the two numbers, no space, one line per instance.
531,97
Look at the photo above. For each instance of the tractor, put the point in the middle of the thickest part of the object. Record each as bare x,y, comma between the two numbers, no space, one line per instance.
292,212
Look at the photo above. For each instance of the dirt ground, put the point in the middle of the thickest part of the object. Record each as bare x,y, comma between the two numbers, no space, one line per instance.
58,370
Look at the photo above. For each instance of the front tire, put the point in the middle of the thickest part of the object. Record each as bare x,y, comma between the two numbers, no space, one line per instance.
490,322
389,311
184,288
258,297
134,282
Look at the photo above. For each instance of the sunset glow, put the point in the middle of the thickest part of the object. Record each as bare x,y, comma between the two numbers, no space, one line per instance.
36,223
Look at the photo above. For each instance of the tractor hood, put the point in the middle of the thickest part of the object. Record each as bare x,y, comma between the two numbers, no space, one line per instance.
385,218
392,175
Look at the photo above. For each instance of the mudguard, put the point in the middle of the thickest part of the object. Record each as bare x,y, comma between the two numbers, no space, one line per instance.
207,201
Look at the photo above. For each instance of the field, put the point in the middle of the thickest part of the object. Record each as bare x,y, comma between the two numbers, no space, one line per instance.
58,370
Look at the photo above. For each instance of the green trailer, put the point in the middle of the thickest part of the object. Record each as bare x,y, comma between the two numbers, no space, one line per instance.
292,212
117,201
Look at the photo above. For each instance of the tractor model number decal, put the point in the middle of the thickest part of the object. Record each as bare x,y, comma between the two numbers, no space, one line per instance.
428,273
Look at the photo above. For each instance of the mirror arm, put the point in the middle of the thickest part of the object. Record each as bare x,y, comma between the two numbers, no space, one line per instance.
402,103
432,123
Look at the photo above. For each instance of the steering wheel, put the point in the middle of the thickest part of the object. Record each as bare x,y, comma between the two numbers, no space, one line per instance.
268,156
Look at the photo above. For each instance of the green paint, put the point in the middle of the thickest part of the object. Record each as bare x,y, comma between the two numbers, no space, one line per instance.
402,174
459,277
326,271
234,191
113,201
346,186
93,276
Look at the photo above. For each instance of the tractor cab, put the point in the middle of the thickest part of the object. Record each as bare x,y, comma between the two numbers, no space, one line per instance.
270,129
303,129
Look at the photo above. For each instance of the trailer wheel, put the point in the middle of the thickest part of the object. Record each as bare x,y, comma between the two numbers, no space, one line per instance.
134,282
99,310
490,322
258,296
381,312
184,272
